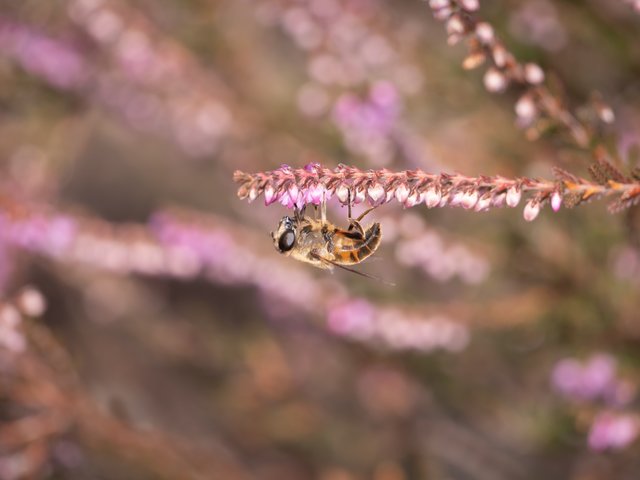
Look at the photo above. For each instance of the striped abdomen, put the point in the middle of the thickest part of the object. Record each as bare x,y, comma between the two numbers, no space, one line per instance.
351,247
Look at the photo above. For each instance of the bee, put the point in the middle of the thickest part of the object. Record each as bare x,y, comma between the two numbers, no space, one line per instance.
324,245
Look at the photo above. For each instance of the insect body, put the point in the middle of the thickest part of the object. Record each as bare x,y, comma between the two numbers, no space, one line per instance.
322,244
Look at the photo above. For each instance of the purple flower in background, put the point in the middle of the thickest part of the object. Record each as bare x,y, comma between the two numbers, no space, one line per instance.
56,61
354,319
396,329
613,431
595,379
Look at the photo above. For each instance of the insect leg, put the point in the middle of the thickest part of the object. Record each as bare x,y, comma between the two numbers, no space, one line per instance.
354,223
366,212
323,209
299,214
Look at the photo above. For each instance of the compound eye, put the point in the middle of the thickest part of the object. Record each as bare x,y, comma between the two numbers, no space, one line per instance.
287,239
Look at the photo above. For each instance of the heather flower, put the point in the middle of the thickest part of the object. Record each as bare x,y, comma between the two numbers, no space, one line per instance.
297,187
394,329
60,63
506,69
613,431
588,381
595,379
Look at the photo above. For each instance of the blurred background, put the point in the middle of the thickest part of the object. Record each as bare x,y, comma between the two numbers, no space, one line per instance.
148,328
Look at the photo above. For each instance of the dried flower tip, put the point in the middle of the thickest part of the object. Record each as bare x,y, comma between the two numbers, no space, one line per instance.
526,108
495,81
342,192
484,33
438,4
376,192
402,193
513,196
253,194
455,25
432,197
470,5
31,302
469,200
556,201
531,210
474,60
533,74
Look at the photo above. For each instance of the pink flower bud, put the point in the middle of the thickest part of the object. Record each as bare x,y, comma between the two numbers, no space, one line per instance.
484,32
454,39
438,4
411,200
483,204
31,302
315,194
402,192
531,210
293,192
342,192
455,25
456,199
495,81
442,13
286,200
269,195
606,114
253,194
432,197
388,196
376,192
469,200
513,196
533,74
498,200
359,196
526,108
470,5
556,201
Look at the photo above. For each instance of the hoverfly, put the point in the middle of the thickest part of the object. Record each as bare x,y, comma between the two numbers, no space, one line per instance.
324,245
